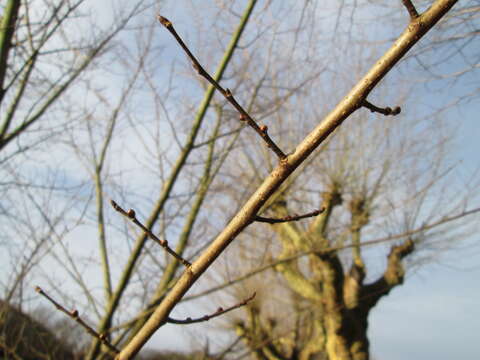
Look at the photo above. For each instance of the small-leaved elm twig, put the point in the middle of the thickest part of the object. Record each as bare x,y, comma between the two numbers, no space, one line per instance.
74,315
385,111
162,242
244,116
410,8
220,311
288,218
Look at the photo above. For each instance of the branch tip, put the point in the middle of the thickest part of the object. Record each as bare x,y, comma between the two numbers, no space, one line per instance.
164,21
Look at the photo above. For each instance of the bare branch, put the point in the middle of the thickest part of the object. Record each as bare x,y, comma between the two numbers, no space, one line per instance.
220,311
244,116
162,242
385,111
74,315
349,104
410,8
289,218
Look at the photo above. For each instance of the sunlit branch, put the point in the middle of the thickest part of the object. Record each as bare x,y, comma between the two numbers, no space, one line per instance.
289,218
220,311
385,111
244,116
162,242
74,315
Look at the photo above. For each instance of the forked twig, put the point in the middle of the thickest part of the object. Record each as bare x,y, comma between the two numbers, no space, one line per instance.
74,315
244,116
220,311
162,242
385,111
288,218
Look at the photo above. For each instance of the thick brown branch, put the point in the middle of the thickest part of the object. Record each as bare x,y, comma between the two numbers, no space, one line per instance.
220,311
385,111
410,8
162,242
289,218
74,315
393,275
244,116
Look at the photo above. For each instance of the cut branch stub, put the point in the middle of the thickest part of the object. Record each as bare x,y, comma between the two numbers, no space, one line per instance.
227,93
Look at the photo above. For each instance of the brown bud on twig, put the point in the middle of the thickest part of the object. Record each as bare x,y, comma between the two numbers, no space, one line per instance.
131,214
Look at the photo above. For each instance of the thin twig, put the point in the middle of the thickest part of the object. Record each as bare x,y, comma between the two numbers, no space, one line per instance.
289,218
162,242
410,8
220,311
385,111
244,116
74,315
